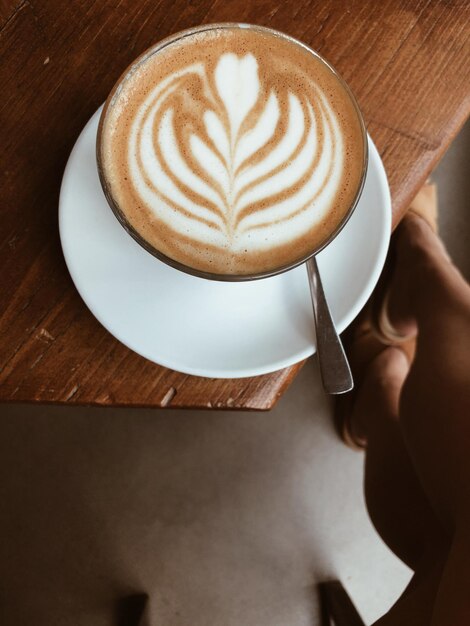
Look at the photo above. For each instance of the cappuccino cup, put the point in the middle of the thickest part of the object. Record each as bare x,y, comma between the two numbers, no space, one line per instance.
232,151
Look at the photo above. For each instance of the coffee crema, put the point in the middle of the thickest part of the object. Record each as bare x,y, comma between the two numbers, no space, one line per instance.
232,151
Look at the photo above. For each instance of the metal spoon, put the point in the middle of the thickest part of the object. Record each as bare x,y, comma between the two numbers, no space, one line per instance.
334,367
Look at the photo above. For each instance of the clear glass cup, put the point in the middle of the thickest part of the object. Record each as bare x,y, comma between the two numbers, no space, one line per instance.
158,47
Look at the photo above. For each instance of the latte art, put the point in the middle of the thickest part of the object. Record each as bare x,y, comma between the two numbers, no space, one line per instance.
228,153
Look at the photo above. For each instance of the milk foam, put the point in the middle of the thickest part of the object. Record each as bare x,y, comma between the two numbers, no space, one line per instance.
224,159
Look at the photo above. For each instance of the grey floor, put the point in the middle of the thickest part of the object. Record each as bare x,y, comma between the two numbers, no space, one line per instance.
289,455
453,178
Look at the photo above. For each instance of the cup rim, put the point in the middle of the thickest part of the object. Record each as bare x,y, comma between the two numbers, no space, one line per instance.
154,49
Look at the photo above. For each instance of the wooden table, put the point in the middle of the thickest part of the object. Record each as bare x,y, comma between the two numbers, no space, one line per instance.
407,62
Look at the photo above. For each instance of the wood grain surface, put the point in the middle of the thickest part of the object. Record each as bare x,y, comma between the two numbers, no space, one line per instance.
407,61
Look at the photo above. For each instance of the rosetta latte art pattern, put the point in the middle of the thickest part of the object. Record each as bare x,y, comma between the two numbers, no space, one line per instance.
223,157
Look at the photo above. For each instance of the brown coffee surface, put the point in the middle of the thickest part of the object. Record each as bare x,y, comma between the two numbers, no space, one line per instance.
232,151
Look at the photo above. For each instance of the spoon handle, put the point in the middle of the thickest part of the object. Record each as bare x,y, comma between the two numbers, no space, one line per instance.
334,366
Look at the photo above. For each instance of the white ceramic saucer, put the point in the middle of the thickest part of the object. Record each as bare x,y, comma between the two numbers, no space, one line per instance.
206,328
